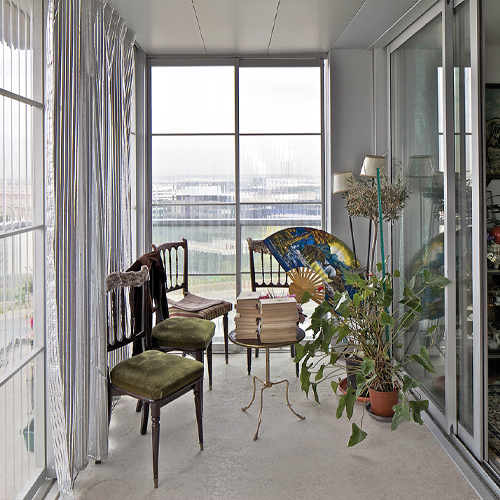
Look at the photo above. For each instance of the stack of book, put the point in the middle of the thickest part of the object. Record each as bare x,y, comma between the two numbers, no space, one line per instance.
247,315
278,319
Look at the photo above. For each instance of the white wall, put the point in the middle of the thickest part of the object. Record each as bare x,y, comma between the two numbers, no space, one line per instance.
358,127
492,64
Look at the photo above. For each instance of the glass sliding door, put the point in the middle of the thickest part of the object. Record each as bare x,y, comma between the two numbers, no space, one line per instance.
417,154
463,214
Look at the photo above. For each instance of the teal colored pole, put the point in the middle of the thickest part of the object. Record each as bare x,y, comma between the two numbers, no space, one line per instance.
381,223
382,242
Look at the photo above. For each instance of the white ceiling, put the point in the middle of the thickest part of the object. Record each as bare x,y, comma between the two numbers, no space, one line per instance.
263,27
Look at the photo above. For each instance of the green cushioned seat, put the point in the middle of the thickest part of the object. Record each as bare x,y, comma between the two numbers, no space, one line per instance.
154,374
187,333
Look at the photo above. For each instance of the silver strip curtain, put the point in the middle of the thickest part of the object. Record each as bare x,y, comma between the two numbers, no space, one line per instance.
89,91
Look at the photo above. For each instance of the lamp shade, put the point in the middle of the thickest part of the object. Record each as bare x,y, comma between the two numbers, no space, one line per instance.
370,165
420,166
342,182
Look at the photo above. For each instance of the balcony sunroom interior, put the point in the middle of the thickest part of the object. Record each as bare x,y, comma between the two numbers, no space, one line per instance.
135,122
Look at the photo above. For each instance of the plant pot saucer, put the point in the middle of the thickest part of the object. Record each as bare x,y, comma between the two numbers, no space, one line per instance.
368,408
343,390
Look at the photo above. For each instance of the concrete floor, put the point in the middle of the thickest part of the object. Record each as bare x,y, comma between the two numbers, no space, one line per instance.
292,458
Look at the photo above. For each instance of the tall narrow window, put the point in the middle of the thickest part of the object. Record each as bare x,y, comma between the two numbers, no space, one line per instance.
232,161
22,451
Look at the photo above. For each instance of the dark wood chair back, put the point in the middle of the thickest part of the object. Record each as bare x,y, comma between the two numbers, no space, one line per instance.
175,262
265,271
129,309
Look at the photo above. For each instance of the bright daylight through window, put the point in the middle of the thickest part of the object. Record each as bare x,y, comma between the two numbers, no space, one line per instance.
231,162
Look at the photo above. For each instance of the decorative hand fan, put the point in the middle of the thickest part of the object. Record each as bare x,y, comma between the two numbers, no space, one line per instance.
306,280
317,250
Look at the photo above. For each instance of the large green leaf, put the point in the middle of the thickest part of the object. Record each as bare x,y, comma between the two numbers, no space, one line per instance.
409,383
401,413
386,319
315,392
423,360
435,280
367,366
417,407
350,400
319,374
357,435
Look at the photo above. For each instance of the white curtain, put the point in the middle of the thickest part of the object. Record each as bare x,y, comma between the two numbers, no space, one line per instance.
90,66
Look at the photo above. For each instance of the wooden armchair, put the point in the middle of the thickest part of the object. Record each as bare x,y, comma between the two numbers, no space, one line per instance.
265,274
184,326
152,377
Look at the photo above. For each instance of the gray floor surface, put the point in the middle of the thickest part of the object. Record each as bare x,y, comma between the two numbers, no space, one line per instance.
291,459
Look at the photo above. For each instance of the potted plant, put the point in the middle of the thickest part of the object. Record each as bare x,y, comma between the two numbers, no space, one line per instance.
366,323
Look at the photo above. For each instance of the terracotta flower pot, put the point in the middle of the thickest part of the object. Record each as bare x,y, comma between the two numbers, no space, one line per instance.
382,402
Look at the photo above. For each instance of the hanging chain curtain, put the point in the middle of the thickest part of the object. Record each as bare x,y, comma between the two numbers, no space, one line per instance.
90,65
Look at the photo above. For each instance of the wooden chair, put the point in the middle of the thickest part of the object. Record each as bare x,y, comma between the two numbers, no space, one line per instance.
152,377
265,273
183,325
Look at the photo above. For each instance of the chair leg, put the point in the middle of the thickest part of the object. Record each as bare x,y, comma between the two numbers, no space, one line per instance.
292,353
256,353
209,363
155,431
138,406
199,355
226,335
198,403
249,360
144,418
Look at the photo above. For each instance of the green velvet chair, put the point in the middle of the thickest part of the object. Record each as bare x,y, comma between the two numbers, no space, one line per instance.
186,325
152,377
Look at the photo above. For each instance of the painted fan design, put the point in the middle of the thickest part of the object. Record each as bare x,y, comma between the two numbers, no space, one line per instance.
310,248
306,280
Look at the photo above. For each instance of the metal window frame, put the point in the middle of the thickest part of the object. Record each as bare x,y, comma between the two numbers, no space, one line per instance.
237,62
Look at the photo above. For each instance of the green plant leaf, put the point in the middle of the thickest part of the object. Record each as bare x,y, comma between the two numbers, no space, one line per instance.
367,366
357,435
305,375
319,375
401,413
423,360
300,352
417,407
386,319
334,356
349,402
341,405
315,392
435,280
409,383
305,297
406,320
335,386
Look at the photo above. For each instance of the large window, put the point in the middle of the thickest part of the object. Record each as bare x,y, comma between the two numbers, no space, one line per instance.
22,452
236,152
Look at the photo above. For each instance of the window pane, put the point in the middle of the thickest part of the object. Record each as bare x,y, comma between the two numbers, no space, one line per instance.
192,99
212,245
280,100
193,169
280,168
416,130
16,299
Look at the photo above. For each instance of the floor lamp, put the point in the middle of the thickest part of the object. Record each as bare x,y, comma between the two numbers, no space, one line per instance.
342,183
369,170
